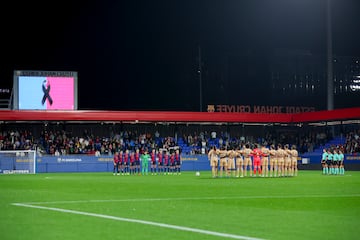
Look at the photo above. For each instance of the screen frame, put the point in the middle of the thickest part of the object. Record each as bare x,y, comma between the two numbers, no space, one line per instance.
32,73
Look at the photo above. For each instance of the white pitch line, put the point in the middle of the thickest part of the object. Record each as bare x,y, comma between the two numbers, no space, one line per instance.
164,225
192,198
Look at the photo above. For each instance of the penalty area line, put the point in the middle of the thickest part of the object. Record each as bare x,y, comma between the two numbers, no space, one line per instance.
164,225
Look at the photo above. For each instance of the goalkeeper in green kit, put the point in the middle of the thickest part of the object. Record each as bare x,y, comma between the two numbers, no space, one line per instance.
145,158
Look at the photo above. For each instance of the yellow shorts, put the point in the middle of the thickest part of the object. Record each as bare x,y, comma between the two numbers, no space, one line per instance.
239,161
247,161
230,163
273,161
223,162
287,161
214,163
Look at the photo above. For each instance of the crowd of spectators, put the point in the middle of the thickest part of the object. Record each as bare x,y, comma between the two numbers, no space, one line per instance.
61,142
16,140
352,144
305,141
64,143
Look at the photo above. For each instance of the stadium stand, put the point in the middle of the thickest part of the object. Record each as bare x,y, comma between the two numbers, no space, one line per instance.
100,133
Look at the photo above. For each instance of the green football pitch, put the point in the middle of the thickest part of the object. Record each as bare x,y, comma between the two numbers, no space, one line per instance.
103,206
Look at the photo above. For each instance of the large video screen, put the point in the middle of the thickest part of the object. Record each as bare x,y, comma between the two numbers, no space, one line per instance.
45,90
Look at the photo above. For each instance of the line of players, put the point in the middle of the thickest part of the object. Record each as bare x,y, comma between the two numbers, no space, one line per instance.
160,161
332,162
261,161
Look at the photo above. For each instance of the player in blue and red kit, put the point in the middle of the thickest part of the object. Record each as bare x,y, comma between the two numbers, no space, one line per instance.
153,162
126,162
121,162
172,162
166,163
160,161
116,163
177,162
132,163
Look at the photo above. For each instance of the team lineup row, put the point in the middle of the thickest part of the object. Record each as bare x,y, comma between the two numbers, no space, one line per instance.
261,161
136,163
279,161
332,161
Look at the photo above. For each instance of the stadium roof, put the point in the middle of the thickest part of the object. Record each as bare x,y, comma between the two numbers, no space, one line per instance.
348,115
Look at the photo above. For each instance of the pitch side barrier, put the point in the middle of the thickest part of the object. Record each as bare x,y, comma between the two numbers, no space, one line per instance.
85,163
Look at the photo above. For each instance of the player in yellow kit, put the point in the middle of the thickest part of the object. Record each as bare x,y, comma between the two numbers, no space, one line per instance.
246,152
287,160
265,161
231,162
214,161
223,161
239,163
294,158
280,156
273,161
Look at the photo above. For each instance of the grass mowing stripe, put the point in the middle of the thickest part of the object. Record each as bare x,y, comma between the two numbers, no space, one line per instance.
192,198
295,208
164,225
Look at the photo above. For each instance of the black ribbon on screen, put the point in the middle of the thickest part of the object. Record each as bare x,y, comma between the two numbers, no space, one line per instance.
46,90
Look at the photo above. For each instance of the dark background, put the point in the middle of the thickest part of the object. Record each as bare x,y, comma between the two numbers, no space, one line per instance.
144,55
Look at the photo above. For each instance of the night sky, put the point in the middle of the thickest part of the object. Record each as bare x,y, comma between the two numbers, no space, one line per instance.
144,55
